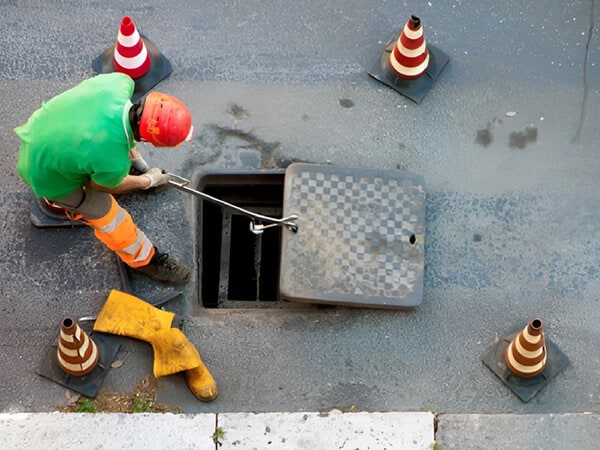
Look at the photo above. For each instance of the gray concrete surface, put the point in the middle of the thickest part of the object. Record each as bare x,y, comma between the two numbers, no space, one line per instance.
518,431
392,430
511,229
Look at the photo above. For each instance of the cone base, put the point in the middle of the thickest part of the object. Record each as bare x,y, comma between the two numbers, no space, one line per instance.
43,217
160,68
88,385
524,388
414,89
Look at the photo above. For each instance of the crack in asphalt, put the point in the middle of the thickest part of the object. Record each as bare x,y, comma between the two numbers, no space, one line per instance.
585,73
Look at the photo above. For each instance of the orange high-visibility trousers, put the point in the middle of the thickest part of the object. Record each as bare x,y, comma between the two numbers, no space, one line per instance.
118,232
111,223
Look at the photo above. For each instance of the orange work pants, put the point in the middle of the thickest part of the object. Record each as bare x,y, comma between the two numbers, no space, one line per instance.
111,223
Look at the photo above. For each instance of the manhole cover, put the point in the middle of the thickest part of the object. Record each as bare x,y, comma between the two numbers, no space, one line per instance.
360,238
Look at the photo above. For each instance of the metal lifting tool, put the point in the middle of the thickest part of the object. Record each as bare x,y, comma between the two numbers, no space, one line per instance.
258,222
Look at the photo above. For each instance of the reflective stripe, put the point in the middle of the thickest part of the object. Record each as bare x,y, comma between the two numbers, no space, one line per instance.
146,252
129,40
71,337
79,367
522,368
411,53
409,71
76,353
119,218
141,248
413,34
528,353
119,233
131,63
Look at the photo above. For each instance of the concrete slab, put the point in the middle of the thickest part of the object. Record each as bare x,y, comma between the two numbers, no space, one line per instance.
295,431
360,430
106,431
518,431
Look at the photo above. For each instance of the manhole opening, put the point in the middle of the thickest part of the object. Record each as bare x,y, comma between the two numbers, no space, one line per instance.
238,268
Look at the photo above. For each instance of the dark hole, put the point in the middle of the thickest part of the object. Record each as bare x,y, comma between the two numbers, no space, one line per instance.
211,251
412,239
67,323
536,323
242,273
237,265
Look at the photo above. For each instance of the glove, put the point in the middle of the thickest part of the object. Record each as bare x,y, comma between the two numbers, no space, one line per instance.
157,177
139,165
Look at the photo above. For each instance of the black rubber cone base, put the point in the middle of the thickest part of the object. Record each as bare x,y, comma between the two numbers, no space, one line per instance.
160,68
43,217
524,388
413,89
89,384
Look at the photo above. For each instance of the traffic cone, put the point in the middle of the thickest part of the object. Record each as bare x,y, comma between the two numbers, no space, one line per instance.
77,353
409,58
136,56
130,56
526,355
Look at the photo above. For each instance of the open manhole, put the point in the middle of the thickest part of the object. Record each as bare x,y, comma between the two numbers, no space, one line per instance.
238,268
359,239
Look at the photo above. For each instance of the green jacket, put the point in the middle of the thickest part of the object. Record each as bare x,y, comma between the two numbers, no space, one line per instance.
81,134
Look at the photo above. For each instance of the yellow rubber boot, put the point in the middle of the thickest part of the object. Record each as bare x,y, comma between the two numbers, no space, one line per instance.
126,315
173,353
201,383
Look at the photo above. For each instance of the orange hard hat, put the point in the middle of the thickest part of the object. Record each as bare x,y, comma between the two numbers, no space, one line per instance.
165,121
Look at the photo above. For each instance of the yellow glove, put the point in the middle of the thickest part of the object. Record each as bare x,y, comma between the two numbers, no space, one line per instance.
126,315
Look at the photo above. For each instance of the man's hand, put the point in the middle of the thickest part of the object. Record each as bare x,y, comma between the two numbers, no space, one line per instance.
138,164
157,177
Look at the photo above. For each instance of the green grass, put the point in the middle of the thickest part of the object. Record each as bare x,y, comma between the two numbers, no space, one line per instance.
141,405
218,435
86,405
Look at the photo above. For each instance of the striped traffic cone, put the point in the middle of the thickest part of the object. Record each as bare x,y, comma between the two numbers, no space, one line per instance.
410,57
77,353
526,355
136,56
131,56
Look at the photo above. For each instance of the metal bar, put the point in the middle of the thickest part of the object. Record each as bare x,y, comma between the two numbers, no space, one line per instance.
225,255
182,184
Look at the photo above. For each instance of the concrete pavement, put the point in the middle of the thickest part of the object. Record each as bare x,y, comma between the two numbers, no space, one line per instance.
376,431
298,431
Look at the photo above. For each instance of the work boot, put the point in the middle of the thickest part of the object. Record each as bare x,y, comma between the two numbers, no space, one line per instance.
201,383
166,269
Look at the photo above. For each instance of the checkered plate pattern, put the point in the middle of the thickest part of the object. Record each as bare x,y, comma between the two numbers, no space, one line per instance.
360,238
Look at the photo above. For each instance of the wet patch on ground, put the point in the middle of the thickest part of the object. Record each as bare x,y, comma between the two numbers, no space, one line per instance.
516,139
521,139
346,103
485,136
232,148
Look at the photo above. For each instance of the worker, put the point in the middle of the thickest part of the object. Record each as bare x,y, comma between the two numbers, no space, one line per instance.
79,150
